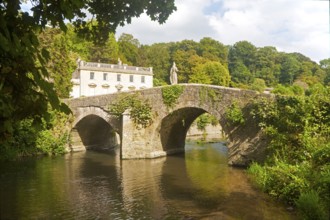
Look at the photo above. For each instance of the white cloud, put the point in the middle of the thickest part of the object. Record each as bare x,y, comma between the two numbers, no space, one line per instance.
188,22
290,25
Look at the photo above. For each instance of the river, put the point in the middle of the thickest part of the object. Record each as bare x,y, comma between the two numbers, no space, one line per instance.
94,185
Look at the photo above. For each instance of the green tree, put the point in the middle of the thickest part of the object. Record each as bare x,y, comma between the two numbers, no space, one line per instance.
184,54
61,63
76,44
290,68
158,57
128,48
186,61
107,53
200,77
185,45
212,73
311,73
267,67
242,52
213,50
325,66
258,85
24,88
240,74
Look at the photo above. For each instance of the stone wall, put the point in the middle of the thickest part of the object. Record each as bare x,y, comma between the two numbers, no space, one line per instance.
211,133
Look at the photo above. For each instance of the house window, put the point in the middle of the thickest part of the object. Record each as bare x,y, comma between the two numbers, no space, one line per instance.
91,75
142,79
131,79
105,76
118,77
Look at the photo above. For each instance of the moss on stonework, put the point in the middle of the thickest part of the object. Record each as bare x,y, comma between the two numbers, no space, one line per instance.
207,93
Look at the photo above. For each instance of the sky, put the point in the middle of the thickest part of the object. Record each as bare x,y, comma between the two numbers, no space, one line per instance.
289,25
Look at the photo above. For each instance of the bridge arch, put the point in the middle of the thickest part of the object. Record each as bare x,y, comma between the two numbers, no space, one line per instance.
90,110
93,128
174,126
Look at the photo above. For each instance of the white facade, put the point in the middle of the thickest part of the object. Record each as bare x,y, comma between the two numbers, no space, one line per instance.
99,78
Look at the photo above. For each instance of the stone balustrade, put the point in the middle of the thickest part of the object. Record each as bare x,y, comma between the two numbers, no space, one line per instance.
104,66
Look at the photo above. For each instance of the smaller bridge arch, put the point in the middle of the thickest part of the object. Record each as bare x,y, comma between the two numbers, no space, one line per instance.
94,128
82,112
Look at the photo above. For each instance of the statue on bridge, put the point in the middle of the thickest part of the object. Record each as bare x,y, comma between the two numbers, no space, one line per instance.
173,74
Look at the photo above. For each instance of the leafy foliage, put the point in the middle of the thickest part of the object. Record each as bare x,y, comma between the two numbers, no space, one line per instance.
325,65
105,53
25,92
288,90
206,119
110,14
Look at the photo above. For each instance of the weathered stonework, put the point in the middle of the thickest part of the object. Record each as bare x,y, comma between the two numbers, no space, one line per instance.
167,133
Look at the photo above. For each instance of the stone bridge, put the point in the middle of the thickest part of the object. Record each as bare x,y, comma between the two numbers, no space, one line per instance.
95,127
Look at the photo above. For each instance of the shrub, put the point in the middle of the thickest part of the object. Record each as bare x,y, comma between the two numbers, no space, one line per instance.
283,181
310,206
298,170
53,139
49,137
322,156
259,175
258,85
202,121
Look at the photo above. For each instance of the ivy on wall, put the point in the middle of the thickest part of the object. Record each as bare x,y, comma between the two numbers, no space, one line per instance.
234,114
171,94
140,110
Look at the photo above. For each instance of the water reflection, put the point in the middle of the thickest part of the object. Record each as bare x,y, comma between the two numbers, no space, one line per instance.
197,185
201,185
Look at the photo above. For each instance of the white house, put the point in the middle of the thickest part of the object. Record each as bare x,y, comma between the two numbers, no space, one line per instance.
100,78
